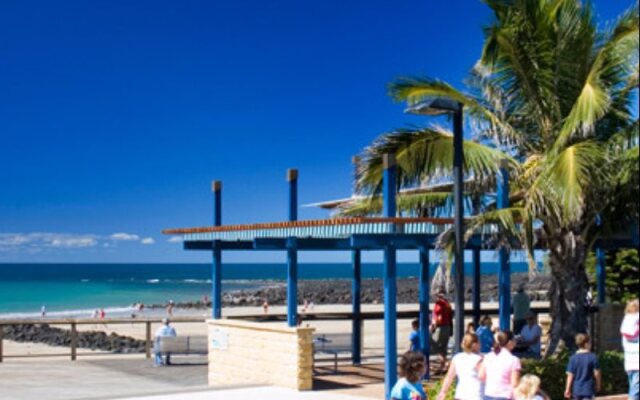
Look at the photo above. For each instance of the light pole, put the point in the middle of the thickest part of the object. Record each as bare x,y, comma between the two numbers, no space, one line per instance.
440,106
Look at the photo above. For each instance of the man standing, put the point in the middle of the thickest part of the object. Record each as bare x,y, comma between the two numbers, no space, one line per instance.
530,336
442,327
164,331
521,307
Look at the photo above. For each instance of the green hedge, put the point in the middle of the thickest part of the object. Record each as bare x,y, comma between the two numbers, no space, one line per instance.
552,373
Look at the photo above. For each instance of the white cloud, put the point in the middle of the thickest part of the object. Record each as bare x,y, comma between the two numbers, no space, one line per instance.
124,236
71,242
35,242
41,240
175,239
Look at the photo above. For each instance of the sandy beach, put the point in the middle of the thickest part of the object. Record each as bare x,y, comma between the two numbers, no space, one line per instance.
373,330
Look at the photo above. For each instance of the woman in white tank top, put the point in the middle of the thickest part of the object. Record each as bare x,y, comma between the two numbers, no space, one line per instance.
465,367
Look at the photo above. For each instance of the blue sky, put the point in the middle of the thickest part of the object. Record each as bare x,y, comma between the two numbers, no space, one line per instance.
115,116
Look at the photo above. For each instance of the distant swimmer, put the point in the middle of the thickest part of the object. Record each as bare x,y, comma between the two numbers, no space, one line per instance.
43,311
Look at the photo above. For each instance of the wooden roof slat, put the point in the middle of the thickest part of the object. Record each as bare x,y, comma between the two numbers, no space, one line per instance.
308,223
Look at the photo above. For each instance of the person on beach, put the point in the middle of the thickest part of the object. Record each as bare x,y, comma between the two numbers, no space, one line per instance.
500,369
170,306
465,367
43,311
414,336
530,337
102,313
485,334
441,328
412,368
583,371
165,330
529,389
630,332
265,307
521,305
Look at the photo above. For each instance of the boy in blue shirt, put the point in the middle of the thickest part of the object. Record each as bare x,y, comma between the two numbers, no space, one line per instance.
485,335
583,371
414,336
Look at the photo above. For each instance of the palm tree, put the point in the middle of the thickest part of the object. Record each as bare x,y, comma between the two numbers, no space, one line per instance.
552,95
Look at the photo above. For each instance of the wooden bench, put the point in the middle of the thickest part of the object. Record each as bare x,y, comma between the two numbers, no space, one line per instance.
186,345
333,344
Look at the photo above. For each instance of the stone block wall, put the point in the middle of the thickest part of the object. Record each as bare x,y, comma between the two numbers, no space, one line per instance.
242,352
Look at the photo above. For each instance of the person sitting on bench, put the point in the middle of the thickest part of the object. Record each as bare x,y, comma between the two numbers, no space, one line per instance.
164,331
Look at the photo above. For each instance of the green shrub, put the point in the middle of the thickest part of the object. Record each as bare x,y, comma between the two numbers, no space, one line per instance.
433,389
614,377
552,373
622,269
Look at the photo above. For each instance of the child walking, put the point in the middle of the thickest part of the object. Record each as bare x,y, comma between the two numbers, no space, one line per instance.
583,371
412,369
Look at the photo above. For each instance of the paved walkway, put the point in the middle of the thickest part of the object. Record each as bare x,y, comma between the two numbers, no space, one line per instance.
261,393
102,378
130,376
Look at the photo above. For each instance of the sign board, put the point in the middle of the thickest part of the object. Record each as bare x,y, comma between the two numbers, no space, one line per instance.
219,339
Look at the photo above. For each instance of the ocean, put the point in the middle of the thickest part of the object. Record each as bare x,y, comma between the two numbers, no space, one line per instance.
78,289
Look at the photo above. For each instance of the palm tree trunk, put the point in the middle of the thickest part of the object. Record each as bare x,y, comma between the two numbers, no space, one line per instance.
568,291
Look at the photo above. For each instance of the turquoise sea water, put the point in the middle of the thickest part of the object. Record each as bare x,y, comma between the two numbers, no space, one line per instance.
80,288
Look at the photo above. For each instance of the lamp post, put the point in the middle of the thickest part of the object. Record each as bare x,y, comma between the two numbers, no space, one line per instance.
440,106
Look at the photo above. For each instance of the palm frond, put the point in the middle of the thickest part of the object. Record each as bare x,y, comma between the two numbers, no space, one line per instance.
425,155
421,204
561,187
416,90
610,65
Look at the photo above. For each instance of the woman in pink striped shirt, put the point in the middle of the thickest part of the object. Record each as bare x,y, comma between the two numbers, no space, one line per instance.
500,369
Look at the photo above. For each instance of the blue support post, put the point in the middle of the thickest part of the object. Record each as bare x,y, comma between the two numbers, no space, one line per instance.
356,330
390,290
425,333
216,292
292,178
292,252
476,287
504,272
292,282
216,278
601,273
389,187
390,334
458,216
